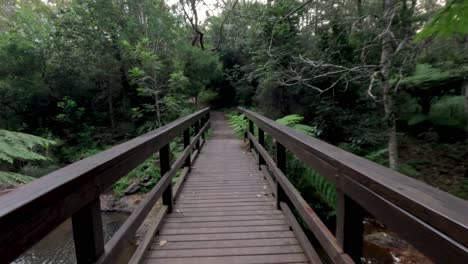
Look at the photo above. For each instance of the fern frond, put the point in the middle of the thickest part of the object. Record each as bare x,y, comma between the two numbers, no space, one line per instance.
294,120
12,178
16,145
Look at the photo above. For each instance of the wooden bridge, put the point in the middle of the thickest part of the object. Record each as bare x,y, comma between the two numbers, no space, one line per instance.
231,205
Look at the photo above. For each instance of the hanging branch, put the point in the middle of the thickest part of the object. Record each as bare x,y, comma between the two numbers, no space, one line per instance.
221,27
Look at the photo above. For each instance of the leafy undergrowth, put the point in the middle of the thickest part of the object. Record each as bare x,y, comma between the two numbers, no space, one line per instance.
442,165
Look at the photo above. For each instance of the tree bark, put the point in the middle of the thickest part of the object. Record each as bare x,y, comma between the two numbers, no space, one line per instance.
385,65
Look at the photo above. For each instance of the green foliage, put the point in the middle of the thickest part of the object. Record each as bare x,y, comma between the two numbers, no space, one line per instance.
70,114
206,96
426,73
144,170
24,147
239,124
449,21
294,120
21,146
447,111
11,178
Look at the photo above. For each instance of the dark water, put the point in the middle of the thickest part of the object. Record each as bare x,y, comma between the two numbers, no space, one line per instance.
58,246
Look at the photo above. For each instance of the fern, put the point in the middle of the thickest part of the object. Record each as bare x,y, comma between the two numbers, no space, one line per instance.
238,123
11,178
16,145
294,120
20,146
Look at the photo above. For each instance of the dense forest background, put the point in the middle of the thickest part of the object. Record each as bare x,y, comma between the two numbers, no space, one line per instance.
384,79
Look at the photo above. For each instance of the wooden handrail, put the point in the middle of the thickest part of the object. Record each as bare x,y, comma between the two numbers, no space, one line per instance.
434,222
30,212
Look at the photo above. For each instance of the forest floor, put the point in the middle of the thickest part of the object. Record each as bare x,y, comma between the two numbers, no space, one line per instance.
442,165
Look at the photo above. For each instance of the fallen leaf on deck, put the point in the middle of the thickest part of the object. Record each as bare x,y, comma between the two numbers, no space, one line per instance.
162,243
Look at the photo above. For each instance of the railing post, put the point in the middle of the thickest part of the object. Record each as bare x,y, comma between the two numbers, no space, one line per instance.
87,232
197,129
186,144
165,165
261,141
349,225
203,122
281,164
251,130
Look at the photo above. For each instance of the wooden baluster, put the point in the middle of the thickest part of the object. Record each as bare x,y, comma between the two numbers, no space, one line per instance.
186,144
349,225
251,130
88,233
261,141
197,129
165,165
281,164
203,122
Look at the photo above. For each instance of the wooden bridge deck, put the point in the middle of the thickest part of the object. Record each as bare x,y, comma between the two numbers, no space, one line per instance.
225,212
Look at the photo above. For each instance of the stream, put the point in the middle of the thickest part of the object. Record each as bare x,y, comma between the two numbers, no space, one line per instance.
58,246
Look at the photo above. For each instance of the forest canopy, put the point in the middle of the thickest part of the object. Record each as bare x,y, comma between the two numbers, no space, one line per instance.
384,79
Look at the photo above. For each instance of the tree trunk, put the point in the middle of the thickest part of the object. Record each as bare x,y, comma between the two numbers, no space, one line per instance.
385,64
111,105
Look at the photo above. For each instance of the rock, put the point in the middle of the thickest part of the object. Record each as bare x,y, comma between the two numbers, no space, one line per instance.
387,247
133,188
107,202
146,179
128,203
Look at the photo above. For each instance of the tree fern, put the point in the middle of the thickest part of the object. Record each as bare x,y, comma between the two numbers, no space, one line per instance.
20,146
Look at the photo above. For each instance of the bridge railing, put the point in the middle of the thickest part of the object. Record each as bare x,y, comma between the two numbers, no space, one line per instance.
30,212
434,222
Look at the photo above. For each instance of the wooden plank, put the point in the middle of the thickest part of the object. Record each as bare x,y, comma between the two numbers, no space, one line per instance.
225,213
265,242
145,244
128,229
222,205
255,259
87,233
233,251
171,219
30,212
269,222
309,250
433,243
225,188
225,209
186,202
350,225
435,207
201,196
219,230
318,228
227,236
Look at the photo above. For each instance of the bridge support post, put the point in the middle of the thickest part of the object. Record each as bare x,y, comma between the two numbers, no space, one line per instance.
87,232
197,129
202,123
281,164
251,130
261,141
186,144
165,165
349,225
